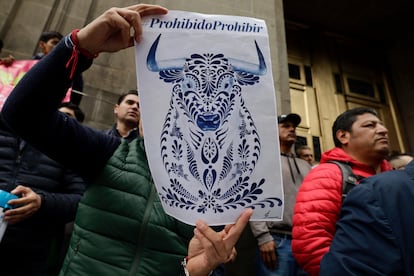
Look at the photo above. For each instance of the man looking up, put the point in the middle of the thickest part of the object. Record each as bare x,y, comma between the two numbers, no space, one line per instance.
127,115
274,238
361,141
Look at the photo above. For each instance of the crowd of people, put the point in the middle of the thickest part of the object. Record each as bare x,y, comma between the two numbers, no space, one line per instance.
96,187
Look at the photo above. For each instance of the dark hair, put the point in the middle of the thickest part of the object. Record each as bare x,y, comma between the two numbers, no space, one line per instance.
1,44
130,92
302,147
345,121
395,155
46,36
80,116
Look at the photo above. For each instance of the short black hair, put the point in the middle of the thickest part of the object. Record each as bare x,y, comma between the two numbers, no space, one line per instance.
302,147
345,121
396,155
1,44
80,116
46,36
130,92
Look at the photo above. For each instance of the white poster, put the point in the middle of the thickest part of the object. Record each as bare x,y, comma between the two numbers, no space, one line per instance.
209,116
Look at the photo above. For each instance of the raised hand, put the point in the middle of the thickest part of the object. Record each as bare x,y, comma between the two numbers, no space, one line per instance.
209,248
111,31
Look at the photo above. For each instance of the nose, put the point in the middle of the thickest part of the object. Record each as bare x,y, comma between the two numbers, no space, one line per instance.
382,129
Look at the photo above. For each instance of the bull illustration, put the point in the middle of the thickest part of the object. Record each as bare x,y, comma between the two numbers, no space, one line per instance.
209,137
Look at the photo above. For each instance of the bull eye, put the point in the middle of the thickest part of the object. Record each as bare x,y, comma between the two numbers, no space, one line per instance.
225,82
187,84
190,83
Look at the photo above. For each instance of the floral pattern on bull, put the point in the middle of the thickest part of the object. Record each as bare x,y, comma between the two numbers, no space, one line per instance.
209,136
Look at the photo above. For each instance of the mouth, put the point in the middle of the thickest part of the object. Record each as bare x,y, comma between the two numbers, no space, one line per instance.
134,114
208,122
382,140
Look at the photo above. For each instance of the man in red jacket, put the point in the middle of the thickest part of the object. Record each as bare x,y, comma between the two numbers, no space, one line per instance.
361,141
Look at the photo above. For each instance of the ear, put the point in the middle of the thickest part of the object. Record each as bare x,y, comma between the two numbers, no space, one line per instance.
42,45
343,136
116,106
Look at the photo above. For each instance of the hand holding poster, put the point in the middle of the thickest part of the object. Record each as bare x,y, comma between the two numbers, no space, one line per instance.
209,116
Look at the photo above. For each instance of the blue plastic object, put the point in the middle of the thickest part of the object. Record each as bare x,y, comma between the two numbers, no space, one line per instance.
4,198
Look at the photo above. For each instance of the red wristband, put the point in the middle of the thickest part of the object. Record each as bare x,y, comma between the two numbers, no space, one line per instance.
75,41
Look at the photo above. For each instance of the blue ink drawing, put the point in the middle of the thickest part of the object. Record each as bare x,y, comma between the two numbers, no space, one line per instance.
209,136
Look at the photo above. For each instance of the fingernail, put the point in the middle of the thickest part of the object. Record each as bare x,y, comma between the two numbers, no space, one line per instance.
201,225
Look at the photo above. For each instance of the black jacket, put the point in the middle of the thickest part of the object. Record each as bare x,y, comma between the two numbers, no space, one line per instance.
60,190
120,226
133,133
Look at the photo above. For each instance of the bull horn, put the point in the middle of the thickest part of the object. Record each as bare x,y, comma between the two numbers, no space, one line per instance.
157,66
255,69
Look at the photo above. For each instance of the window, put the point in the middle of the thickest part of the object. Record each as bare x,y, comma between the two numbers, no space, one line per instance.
294,71
338,83
308,76
360,87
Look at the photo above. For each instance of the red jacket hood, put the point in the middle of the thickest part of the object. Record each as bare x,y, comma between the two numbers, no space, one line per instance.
339,154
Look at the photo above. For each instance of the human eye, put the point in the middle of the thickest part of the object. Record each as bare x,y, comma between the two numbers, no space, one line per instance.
369,125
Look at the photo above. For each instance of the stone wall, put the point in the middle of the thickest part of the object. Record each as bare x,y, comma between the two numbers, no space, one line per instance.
21,23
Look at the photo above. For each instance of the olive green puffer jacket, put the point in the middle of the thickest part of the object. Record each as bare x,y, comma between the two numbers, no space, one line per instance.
121,227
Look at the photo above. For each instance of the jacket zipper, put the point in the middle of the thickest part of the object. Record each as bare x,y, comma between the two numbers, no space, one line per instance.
20,149
142,232
75,252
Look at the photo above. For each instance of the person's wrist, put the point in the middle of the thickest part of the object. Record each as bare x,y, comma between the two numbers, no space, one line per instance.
77,40
40,199
194,269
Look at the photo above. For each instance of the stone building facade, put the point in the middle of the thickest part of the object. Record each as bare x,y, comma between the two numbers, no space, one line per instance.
327,56
112,74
